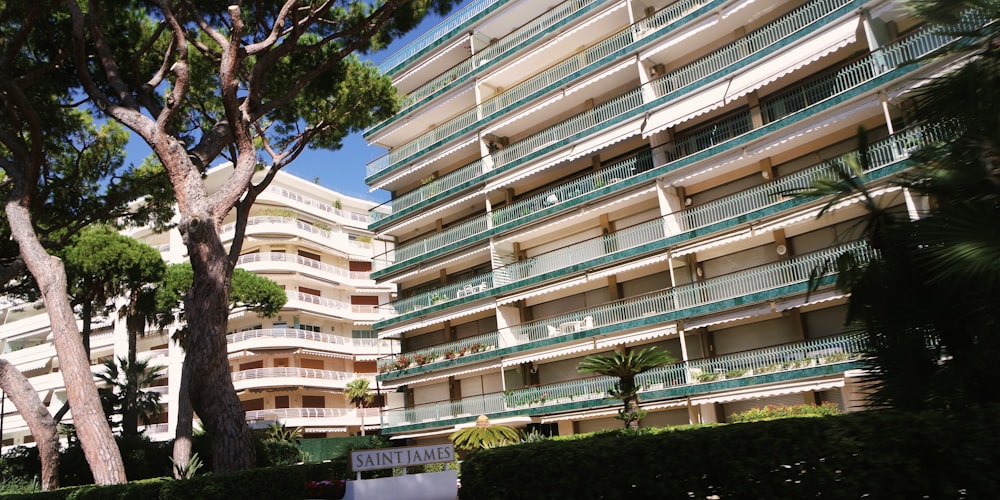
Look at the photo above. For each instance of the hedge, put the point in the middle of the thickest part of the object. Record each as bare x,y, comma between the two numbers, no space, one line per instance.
874,454
277,483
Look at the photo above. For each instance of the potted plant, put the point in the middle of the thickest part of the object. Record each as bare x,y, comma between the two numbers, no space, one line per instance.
436,298
421,359
402,361
449,354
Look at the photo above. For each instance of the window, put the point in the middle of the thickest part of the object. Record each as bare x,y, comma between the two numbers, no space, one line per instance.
313,402
253,404
309,255
364,334
281,402
315,364
310,328
252,365
309,291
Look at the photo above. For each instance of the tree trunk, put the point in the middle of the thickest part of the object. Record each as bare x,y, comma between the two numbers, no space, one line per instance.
362,410
40,423
206,365
96,438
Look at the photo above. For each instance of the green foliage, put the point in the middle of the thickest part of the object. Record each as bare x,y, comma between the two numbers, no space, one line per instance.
875,454
188,470
358,393
102,264
626,365
257,293
123,394
774,412
484,435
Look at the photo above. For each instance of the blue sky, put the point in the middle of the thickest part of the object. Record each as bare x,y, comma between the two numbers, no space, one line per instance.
342,170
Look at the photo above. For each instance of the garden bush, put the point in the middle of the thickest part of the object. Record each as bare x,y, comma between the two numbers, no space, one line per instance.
875,454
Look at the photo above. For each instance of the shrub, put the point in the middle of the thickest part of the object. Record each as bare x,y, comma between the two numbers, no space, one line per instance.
772,412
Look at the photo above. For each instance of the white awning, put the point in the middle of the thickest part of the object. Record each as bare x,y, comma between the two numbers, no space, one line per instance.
769,391
548,354
828,40
640,336
687,107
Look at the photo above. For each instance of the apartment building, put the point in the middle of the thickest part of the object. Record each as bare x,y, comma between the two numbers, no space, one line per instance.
574,177
291,368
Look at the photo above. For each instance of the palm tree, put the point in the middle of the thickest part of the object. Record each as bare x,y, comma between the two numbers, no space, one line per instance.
626,364
930,302
359,394
123,395
483,435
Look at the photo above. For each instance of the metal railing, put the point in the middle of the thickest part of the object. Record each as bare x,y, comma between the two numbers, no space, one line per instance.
917,44
326,207
700,69
295,333
781,358
302,261
434,35
738,285
259,373
441,352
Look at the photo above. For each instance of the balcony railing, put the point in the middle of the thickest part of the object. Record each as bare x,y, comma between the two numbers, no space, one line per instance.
295,333
688,377
286,413
302,261
286,221
731,290
799,22
443,352
325,207
259,373
436,35
732,209
783,106
486,57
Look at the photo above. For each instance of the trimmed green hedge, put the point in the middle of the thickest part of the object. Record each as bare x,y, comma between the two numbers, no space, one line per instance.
870,454
277,483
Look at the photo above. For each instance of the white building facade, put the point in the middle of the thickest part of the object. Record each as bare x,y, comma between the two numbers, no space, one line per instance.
291,368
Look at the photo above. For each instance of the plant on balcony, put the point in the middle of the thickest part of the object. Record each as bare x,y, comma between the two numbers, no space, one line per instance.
337,204
736,373
437,297
773,412
449,354
462,351
421,359
707,376
626,364
402,362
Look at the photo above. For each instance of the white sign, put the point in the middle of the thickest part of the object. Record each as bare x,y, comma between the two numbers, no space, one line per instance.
404,456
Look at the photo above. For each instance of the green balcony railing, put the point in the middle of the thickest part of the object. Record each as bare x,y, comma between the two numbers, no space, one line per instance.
783,106
492,54
475,228
795,22
685,377
733,209
431,356
433,37
466,289
737,287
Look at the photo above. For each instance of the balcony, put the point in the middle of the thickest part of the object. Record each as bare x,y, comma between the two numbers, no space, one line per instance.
720,65
294,377
480,61
272,338
312,417
291,261
323,305
751,286
287,225
886,157
312,204
758,367
456,23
